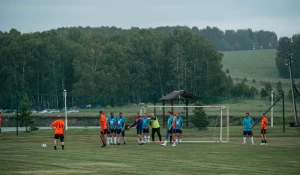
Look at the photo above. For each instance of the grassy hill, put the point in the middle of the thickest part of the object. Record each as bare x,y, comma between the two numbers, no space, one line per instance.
252,64
261,66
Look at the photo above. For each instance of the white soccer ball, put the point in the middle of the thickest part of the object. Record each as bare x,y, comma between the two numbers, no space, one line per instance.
44,145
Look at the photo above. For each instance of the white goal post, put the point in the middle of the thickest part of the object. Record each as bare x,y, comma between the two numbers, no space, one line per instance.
223,123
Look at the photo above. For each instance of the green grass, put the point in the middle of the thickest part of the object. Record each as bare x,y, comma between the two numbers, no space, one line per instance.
23,154
254,64
258,64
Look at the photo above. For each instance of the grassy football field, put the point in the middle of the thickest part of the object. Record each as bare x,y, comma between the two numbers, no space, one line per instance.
23,154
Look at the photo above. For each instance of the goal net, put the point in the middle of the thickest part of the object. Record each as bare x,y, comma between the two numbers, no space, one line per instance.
216,131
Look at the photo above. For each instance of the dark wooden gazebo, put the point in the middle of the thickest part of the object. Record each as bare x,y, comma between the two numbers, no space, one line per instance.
179,95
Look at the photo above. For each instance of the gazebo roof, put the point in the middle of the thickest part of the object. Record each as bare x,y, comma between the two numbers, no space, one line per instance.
182,93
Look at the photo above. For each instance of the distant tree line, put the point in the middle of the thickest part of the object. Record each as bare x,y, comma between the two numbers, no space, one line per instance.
92,65
228,40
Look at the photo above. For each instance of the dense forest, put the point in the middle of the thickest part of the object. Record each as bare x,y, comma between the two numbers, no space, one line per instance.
96,65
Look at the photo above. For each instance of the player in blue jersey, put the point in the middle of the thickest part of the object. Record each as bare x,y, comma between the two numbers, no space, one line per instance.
112,128
146,124
247,128
139,125
121,128
170,129
179,127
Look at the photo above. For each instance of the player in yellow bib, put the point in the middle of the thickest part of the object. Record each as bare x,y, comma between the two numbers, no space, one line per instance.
155,127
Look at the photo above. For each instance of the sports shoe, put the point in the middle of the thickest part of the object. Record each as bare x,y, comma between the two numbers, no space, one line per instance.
118,143
244,143
262,144
174,144
141,143
164,144
124,143
252,143
103,146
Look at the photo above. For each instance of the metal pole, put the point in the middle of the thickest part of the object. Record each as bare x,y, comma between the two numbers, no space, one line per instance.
272,99
66,115
283,117
154,103
187,112
17,124
163,113
221,125
292,85
227,124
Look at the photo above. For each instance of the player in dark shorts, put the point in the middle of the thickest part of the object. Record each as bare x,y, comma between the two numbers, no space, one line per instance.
170,130
59,127
112,129
263,127
139,125
121,128
155,127
179,127
247,128
146,123
103,126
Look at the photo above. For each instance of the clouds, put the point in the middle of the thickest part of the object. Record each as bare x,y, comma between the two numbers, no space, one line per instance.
281,16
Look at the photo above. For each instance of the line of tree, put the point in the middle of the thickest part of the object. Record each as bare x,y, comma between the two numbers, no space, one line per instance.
288,46
94,65
228,40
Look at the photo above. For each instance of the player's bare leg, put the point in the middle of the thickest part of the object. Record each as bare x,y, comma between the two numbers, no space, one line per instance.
140,139
63,145
54,144
174,139
115,138
118,139
124,137
265,138
103,137
180,141
262,139
147,138
110,141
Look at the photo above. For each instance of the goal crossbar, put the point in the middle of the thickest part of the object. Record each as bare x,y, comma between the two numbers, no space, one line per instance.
221,107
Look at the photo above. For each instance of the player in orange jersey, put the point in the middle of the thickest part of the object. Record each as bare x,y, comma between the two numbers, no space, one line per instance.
263,127
103,126
59,127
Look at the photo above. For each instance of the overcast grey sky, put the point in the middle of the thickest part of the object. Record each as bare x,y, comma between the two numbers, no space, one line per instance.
280,16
